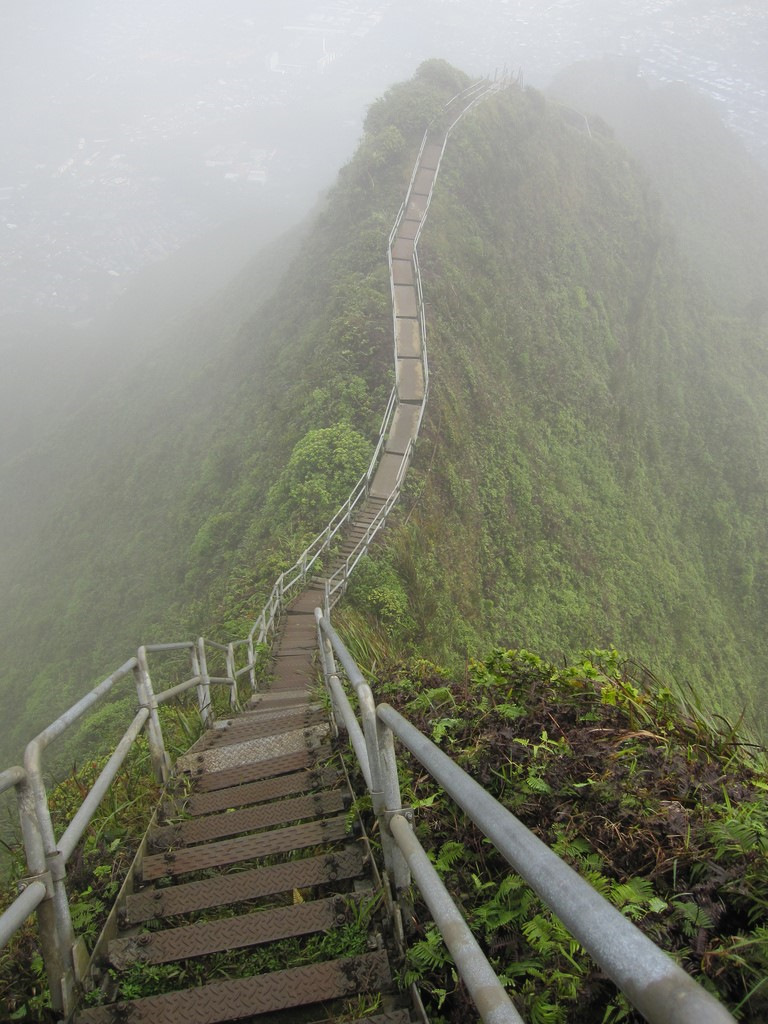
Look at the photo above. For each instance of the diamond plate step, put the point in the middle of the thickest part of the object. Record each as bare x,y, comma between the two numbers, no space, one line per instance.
230,851
188,897
260,792
205,782
234,755
254,728
248,997
231,823
254,929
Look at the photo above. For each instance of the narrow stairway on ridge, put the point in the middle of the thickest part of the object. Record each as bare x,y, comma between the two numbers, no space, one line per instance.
255,896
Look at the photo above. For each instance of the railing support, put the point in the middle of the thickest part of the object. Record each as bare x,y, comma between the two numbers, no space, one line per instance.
200,668
398,868
233,696
161,764
252,672
57,936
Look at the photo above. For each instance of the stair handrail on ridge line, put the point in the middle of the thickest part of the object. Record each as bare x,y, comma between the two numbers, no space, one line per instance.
290,582
650,979
44,889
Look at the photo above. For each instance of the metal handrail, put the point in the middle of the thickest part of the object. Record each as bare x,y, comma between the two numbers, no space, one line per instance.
650,979
44,890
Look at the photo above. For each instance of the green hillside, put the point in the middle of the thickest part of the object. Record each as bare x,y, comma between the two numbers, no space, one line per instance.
715,193
594,467
592,470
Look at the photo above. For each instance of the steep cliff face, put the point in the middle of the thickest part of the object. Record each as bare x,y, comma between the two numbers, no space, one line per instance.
594,466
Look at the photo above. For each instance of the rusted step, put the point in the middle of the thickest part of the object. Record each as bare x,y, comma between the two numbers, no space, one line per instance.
249,997
254,929
259,792
243,848
240,886
301,606
270,712
431,155
256,728
248,819
229,756
205,782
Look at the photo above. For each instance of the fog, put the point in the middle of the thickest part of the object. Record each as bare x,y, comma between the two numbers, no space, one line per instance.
150,147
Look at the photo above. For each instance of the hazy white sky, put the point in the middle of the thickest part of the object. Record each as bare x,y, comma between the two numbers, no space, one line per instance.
129,129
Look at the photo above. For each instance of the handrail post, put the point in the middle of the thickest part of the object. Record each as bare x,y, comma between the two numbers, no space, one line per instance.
252,673
233,696
329,672
378,798
398,867
146,693
57,935
204,686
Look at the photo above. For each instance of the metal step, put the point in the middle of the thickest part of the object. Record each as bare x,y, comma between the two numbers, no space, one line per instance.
248,819
254,929
244,752
253,728
393,1017
244,848
260,792
188,897
249,997
205,782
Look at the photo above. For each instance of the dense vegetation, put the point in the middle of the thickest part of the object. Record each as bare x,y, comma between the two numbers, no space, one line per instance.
593,468
714,192
662,811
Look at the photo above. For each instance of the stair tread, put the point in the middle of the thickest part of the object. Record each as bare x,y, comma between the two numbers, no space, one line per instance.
247,819
188,897
243,848
259,791
205,782
263,993
255,928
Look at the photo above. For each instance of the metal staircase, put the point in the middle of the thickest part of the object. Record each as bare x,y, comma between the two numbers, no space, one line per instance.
258,847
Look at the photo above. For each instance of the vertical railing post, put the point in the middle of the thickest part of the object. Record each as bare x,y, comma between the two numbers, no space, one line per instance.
157,752
252,672
329,669
57,936
379,787
399,871
204,686
231,672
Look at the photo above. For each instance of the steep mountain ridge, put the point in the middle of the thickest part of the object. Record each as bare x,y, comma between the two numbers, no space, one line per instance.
593,466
